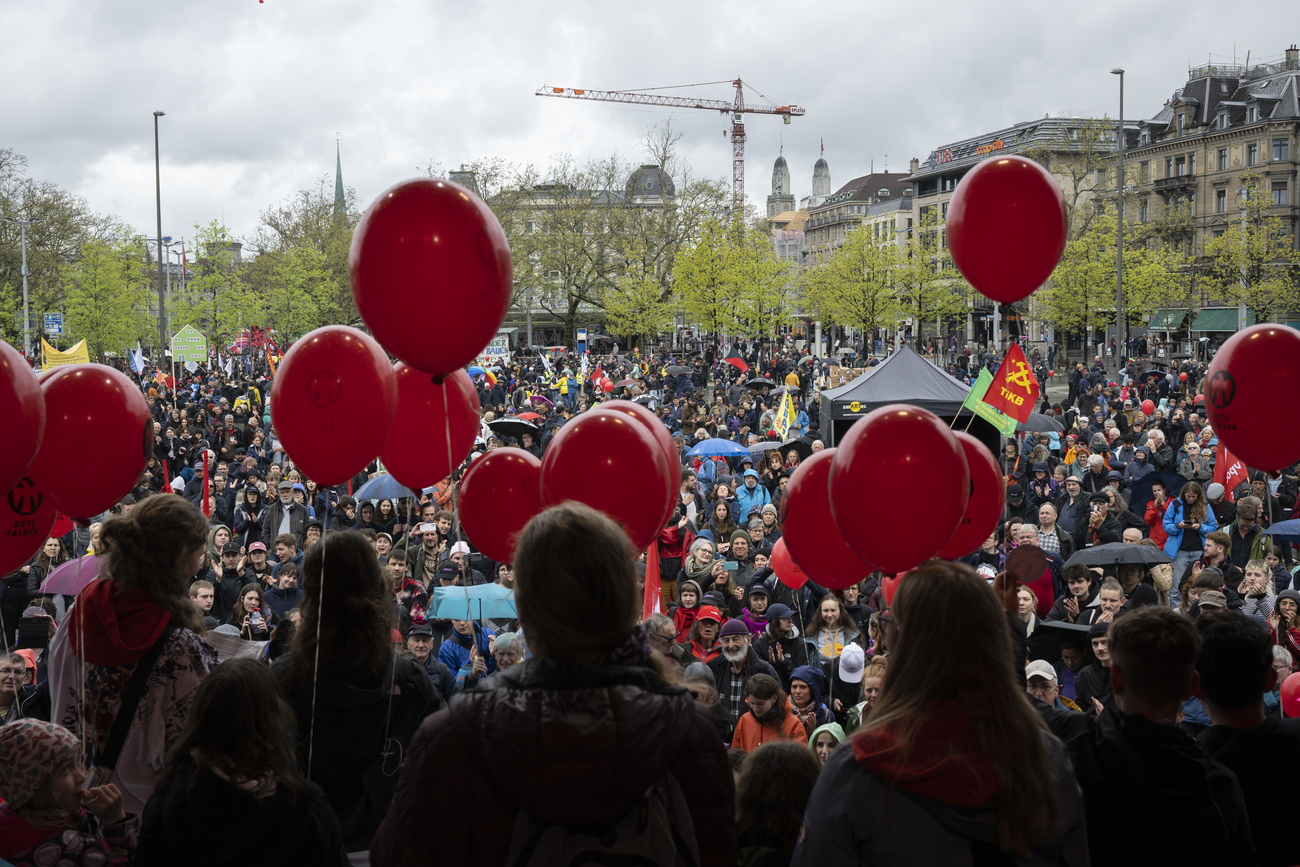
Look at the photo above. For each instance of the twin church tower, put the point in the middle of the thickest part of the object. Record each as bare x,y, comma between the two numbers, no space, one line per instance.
782,199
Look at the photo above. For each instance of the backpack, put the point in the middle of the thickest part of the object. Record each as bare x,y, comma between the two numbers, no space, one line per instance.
656,831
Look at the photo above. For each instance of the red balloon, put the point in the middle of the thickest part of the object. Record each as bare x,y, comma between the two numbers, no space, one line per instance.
1006,227
659,430
1051,373
988,493
606,385
333,402
892,457
1253,395
434,429
889,586
786,571
499,494
1148,407
1182,377
607,460
430,251
91,409
26,516
63,525
1291,695
22,406
809,531
1200,398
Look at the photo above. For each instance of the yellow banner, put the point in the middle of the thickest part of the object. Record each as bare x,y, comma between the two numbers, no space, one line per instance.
51,357
784,417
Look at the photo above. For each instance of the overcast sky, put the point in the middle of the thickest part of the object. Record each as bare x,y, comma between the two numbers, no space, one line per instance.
255,92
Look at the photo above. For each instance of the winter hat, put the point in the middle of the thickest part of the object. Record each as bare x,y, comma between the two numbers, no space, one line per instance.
853,662
1213,599
740,534
769,508
29,750
733,627
459,548
692,585
1098,630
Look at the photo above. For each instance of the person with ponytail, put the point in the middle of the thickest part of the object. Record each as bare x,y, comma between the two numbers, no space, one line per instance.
954,765
134,626
575,737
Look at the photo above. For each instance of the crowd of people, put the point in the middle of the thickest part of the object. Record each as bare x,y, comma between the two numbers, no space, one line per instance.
272,652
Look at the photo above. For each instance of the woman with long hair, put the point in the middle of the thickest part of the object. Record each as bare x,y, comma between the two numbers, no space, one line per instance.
137,612
590,715
251,615
834,628
235,759
356,701
720,521
1187,522
953,734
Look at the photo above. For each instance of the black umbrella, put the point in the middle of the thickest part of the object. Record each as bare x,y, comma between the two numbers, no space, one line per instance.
758,382
513,427
1039,423
800,445
1119,553
793,389
1046,641
676,369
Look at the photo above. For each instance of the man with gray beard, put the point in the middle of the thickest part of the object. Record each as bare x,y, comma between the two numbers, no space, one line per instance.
733,669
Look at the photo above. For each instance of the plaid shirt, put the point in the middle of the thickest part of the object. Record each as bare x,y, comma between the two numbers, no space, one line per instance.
1049,541
735,692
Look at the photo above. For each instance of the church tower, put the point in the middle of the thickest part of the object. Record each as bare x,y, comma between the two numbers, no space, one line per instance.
821,181
781,198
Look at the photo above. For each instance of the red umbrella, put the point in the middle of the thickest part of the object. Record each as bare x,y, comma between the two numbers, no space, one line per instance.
529,416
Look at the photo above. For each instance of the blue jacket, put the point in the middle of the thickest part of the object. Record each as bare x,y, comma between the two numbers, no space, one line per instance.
455,656
747,499
1173,515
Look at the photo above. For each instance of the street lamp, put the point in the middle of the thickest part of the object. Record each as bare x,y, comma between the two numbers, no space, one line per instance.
162,290
27,319
1121,344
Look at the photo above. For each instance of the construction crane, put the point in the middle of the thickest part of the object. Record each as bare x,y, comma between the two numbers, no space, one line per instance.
737,109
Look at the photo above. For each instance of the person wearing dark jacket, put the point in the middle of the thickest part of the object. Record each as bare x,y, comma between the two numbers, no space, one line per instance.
733,668
1096,526
781,643
285,515
1139,772
589,716
420,642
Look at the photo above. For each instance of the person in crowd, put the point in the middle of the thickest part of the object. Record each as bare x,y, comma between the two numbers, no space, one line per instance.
357,703
1284,622
1080,595
251,616
834,629
573,719
770,717
1132,761
1051,535
806,698
467,652
688,605
824,740
1093,682
756,612
47,817
420,643
15,689
702,643
1256,589
1246,539
285,516
1187,522
235,760
135,623
771,798
1096,526
1155,513
662,635
1041,683
953,765
780,642
733,668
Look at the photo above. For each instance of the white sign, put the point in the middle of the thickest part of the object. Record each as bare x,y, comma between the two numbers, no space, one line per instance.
498,349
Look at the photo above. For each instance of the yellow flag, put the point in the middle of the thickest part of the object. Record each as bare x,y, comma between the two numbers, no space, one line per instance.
51,357
784,417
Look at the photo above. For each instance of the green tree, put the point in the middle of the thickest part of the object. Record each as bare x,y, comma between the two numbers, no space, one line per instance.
928,282
215,298
768,290
1254,261
104,297
709,279
635,307
857,286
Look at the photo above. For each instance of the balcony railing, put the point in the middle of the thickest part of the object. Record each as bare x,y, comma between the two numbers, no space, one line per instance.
1177,182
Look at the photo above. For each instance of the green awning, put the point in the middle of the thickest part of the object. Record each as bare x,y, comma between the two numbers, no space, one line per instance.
1167,320
1219,319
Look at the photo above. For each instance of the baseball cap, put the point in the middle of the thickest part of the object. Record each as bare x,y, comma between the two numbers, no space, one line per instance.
377,535
708,612
1040,668
257,546
230,548
758,587
422,628
1213,599
1014,492
779,611
853,662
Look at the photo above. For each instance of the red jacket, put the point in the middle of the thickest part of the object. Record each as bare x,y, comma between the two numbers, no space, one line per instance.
1155,519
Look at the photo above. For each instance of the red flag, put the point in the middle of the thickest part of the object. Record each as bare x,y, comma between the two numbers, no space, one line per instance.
1014,389
1229,471
207,510
652,602
597,376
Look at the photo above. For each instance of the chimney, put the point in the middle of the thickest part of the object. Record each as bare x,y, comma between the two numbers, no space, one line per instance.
1292,57
915,165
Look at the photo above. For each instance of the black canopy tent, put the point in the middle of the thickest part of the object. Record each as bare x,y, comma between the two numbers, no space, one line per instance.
904,377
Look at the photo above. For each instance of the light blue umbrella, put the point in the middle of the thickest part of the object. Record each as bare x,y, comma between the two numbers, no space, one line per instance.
718,447
481,601
476,371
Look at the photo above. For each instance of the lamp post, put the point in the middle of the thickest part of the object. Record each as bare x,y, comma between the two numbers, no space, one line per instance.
27,319
162,289
1121,344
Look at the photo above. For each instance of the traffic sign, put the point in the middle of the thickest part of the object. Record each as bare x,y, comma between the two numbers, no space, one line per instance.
54,324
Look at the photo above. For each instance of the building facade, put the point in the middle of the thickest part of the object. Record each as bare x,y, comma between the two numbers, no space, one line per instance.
844,210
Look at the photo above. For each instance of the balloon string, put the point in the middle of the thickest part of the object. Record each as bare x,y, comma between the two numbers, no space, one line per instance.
446,425
81,663
315,667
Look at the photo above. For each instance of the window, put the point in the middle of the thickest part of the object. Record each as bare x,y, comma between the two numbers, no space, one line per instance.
1180,166
1252,154
1279,194
1169,167
1223,159
1281,149
529,228
1221,201
1191,164
1182,123
1252,113
1221,120
1144,170
1144,210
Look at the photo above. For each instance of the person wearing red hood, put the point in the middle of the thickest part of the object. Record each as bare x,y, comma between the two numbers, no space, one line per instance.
138,612
954,765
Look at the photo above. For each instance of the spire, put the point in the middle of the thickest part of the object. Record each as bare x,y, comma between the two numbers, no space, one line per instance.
340,205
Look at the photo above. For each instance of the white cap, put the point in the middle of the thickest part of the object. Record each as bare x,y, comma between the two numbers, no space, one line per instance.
1040,668
853,661
459,548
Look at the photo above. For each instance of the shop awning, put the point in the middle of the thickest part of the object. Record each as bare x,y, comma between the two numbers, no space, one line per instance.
1219,319
1167,320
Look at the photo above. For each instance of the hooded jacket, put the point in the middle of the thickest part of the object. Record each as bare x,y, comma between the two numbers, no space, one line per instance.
601,735
779,724
794,652
813,677
747,499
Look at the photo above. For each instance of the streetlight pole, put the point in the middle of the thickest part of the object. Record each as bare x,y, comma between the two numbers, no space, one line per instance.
27,319
162,289
1121,344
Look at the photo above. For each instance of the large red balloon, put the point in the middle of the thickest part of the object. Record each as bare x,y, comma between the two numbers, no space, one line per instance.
434,429
1291,695
499,494
659,430
333,402
26,518
22,406
899,486
988,493
1006,227
786,571
1148,407
98,436
1252,393
431,273
608,461
809,531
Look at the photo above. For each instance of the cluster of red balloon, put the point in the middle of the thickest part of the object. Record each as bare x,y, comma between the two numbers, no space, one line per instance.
844,512
431,276
606,385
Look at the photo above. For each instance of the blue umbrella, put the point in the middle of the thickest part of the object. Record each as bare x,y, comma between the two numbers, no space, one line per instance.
491,601
718,447
1140,494
1285,531
382,487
